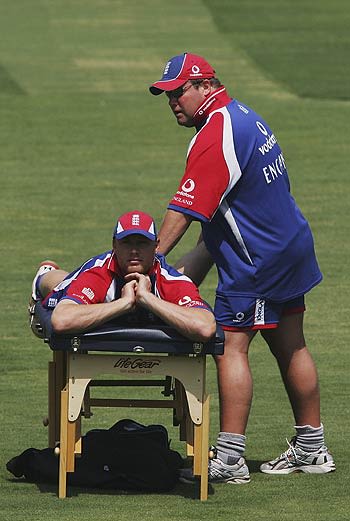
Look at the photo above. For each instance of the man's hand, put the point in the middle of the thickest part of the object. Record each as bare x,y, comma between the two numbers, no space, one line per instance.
70,317
195,323
142,287
129,293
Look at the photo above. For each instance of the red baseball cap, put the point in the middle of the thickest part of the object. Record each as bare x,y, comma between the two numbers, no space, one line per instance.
135,222
180,69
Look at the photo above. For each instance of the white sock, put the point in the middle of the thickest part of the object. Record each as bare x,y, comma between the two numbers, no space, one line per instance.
309,439
230,447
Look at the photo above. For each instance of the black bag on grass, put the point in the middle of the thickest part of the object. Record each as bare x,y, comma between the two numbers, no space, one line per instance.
128,456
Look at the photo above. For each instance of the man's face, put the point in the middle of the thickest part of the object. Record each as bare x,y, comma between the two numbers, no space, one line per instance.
135,253
185,101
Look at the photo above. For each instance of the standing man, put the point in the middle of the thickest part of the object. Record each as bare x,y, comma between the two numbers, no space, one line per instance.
131,283
236,184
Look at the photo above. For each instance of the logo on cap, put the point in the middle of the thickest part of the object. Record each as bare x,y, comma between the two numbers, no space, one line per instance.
166,68
180,69
135,222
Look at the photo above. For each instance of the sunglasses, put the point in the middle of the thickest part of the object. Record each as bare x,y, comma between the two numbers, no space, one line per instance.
177,93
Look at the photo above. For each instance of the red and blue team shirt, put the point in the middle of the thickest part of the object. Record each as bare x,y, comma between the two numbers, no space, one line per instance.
99,280
236,183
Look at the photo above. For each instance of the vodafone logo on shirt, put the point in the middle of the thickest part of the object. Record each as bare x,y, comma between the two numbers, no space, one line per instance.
189,303
184,301
188,186
186,189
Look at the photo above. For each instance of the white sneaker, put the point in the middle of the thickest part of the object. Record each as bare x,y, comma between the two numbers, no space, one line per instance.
220,472
44,267
296,460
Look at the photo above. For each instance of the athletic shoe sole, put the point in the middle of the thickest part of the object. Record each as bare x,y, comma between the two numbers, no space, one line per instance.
229,481
325,468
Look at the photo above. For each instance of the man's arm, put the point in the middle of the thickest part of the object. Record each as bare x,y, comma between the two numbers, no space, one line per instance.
196,263
173,227
194,323
71,317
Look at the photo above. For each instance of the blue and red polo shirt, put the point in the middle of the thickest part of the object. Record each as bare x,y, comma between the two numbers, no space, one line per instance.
99,280
236,184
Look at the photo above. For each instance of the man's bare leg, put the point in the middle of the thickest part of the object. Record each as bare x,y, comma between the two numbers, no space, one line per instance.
298,371
307,451
50,280
235,382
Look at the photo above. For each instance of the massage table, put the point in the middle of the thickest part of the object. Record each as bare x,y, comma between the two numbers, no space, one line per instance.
131,357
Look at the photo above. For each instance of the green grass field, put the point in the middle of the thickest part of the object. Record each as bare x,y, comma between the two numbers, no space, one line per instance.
82,141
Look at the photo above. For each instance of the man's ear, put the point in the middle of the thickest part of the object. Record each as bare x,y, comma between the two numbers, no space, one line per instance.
157,246
206,87
114,243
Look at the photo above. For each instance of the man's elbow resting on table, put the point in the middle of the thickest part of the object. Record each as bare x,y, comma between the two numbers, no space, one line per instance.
63,319
62,325
204,326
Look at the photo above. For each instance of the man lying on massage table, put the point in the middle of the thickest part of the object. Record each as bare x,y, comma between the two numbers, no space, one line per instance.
131,281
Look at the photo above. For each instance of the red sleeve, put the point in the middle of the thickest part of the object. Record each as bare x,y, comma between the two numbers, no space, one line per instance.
90,287
206,176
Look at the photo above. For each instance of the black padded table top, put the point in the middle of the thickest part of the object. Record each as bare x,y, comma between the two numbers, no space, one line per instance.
116,338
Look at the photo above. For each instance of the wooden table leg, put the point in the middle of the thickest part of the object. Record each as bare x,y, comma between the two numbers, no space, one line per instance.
52,405
201,444
62,484
204,449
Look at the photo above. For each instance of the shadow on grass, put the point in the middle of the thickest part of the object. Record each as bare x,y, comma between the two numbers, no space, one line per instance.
7,84
186,491
254,465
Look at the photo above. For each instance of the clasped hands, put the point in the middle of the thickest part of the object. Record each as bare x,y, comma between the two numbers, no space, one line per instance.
136,290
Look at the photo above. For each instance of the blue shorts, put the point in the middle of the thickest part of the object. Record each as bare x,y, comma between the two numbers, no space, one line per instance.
249,313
